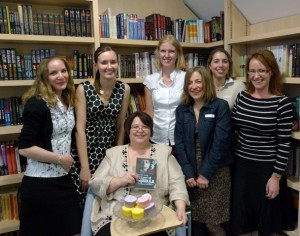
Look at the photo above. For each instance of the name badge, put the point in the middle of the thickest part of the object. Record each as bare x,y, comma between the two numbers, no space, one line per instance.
209,115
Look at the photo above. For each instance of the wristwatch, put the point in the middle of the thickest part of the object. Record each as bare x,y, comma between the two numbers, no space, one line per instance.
278,176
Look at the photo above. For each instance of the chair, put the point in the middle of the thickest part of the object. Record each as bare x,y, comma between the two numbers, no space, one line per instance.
86,229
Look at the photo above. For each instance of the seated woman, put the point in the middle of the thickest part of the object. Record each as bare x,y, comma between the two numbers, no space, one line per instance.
116,177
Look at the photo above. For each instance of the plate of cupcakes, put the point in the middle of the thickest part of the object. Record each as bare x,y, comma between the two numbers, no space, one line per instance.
138,208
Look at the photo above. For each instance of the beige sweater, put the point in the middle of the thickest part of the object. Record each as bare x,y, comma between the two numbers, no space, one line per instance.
170,182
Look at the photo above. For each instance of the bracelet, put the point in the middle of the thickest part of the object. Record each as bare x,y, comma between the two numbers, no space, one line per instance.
59,159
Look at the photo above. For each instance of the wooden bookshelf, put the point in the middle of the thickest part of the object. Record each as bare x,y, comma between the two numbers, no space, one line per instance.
11,179
9,226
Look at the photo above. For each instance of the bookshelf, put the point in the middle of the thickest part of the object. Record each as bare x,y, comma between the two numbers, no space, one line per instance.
64,45
242,38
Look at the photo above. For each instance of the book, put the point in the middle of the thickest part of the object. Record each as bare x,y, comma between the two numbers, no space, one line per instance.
4,158
147,169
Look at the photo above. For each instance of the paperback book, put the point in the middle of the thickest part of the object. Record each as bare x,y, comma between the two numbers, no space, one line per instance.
146,168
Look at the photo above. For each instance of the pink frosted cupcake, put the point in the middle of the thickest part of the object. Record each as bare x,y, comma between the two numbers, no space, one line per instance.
144,200
130,201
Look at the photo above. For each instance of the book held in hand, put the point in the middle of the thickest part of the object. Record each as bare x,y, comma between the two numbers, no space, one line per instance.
146,168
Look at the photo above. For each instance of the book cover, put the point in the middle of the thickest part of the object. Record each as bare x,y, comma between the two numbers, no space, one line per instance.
147,169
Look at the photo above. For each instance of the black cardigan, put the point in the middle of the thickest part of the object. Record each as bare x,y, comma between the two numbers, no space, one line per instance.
37,125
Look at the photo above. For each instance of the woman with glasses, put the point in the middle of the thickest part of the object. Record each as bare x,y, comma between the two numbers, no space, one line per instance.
102,103
116,176
219,63
203,139
163,89
262,117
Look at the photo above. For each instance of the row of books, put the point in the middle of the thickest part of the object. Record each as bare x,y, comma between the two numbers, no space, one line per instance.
136,101
136,65
24,20
81,64
155,26
9,207
287,57
195,59
11,111
24,67
10,160
21,67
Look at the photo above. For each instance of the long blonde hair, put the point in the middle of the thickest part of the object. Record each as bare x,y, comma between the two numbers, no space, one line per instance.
41,87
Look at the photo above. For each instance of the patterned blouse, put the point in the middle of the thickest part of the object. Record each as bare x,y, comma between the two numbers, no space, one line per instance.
63,124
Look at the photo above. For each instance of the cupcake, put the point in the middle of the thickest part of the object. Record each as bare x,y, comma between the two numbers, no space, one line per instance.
137,213
130,201
144,200
150,209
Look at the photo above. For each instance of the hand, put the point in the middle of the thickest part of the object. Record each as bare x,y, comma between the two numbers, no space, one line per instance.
202,182
180,211
66,161
272,187
191,182
295,125
181,216
84,178
130,178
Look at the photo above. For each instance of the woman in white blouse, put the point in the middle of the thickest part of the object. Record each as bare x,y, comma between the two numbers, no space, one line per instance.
163,89
49,204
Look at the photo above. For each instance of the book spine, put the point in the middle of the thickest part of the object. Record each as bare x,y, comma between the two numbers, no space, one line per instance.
77,23
88,23
30,21
46,29
4,158
72,22
51,24
83,23
67,22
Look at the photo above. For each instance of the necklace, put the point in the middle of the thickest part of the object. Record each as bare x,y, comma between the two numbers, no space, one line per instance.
106,96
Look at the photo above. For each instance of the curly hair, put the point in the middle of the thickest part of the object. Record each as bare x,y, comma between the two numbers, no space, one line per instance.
41,87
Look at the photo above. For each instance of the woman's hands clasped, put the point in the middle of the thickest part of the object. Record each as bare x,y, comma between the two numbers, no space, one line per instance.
200,182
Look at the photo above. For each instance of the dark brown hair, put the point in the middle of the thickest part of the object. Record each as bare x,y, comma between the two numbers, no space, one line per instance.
210,58
144,117
97,53
268,59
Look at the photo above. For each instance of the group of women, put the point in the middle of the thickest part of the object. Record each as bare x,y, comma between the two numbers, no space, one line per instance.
190,123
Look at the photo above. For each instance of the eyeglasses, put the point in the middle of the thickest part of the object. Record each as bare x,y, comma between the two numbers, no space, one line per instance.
143,128
259,71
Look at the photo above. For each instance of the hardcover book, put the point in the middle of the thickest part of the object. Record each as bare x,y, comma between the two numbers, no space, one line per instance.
147,169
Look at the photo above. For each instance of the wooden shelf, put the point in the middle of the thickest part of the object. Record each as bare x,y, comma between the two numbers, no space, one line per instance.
11,179
152,44
261,38
73,3
12,129
30,39
9,226
293,183
291,233
296,135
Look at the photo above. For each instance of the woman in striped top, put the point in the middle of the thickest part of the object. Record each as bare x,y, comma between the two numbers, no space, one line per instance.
262,116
